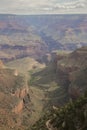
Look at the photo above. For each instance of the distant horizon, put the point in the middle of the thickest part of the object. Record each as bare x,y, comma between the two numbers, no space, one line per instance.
44,14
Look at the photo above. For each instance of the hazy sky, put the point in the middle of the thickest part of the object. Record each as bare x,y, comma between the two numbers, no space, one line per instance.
43,6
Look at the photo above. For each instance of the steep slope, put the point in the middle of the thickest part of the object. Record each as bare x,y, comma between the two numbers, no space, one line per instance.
74,67
64,77
15,102
72,116
71,74
26,66
77,58
47,80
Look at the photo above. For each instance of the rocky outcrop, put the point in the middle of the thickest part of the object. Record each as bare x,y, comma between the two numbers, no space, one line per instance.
1,65
24,99
20,93
16,73
71,72
18,108
14,99
50,126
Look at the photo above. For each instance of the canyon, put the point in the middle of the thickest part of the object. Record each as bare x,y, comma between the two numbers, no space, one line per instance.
43,66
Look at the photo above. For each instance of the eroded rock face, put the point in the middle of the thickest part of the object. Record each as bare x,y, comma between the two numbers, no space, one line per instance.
14,99
24,98
1,65
71,71
18,108
20,93
16,73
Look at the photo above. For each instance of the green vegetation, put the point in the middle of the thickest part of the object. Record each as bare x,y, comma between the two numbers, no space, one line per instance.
44,76
73,116
80,78
49,87
23,65
22,37
8,81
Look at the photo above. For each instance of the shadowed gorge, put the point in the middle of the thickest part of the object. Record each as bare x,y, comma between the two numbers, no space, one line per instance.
43,72
71,84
